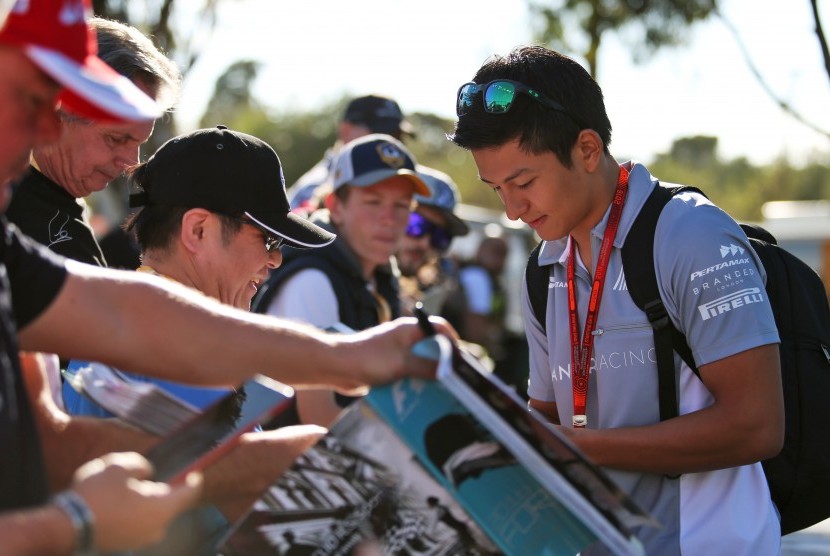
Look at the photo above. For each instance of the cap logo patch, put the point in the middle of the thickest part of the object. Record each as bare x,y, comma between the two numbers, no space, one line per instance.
391,155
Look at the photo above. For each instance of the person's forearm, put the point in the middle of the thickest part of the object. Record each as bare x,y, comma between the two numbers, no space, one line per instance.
82,439
711,438
181,335
43,530
235,481
685,444
744,423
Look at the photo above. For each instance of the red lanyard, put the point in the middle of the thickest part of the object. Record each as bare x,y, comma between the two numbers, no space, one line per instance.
581,355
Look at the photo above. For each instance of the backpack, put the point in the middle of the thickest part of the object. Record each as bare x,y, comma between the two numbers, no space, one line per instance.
799,476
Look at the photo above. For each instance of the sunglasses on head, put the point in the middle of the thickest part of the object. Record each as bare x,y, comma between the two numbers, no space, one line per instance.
419,227
272,243
498,96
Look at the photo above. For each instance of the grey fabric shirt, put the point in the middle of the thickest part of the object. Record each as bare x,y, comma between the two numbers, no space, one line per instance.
712,284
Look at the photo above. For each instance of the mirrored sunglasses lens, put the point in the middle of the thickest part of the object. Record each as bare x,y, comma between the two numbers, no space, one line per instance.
273,243
499,96
465,98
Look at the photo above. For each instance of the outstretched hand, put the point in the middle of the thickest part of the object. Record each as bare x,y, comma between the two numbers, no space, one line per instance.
383,353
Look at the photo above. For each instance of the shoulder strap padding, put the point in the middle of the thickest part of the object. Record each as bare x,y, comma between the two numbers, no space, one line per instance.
641,280
537,279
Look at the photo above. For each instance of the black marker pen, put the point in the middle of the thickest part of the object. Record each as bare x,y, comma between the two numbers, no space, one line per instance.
423,320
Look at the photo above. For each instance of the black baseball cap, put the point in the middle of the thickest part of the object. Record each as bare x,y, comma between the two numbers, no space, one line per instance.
379,114
230,173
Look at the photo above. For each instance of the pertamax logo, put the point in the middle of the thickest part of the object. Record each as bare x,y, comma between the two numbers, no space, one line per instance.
554,283
729,302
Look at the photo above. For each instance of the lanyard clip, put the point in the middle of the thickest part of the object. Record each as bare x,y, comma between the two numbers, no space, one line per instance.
579,421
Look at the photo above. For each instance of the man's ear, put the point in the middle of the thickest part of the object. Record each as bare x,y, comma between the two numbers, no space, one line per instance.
588,150
195,224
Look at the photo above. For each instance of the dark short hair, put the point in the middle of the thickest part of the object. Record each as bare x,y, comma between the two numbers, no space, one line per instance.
155,226
537,127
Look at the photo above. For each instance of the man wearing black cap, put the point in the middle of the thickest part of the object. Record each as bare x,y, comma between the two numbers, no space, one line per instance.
363,115
213,217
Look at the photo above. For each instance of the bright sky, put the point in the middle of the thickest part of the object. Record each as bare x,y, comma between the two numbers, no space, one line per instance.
419,52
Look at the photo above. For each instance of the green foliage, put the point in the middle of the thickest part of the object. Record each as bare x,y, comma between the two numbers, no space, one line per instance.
301,138
232,93
432,148
578,26
737,186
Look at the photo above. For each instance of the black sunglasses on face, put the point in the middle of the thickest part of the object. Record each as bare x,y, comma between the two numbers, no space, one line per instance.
272,243
419,227
498,96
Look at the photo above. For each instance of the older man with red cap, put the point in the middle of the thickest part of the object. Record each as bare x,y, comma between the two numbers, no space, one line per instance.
138,322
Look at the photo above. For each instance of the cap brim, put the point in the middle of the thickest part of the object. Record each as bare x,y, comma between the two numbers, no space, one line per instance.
294,229
455,225
371,178
94,90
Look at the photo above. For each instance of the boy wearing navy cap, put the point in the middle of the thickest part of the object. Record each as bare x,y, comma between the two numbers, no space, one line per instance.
373,182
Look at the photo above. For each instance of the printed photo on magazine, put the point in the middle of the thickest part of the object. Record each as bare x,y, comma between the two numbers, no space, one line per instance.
359,488
416,468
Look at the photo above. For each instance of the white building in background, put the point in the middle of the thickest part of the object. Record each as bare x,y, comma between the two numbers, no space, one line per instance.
803,229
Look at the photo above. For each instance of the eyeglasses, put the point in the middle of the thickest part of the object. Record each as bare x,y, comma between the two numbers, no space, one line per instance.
498,97
272,243
419,227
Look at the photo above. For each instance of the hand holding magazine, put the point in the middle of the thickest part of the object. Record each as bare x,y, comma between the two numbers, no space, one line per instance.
452,466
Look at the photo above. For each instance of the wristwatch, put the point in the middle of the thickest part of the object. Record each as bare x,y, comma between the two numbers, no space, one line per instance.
83,522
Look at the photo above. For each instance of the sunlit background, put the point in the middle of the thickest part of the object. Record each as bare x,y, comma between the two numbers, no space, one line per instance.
737,106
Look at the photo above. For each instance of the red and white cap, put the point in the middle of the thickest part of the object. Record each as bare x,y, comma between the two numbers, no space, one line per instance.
55,36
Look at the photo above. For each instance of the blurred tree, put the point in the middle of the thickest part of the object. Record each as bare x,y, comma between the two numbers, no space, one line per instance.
232,94
766,86
179,30
737,186
700,150
646,25
302,137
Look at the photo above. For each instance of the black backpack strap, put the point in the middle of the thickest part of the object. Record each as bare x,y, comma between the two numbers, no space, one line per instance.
537,279
641,280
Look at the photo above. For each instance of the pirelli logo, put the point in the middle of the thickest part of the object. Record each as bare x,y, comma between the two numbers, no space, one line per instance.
728,302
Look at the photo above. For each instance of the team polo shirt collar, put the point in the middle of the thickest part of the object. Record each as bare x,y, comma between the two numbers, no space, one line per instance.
640,184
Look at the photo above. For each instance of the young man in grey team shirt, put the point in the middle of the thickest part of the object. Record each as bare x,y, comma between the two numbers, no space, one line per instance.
536,125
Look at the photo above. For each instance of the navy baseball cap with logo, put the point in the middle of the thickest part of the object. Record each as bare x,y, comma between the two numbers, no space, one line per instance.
373,158
379,114
229,173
